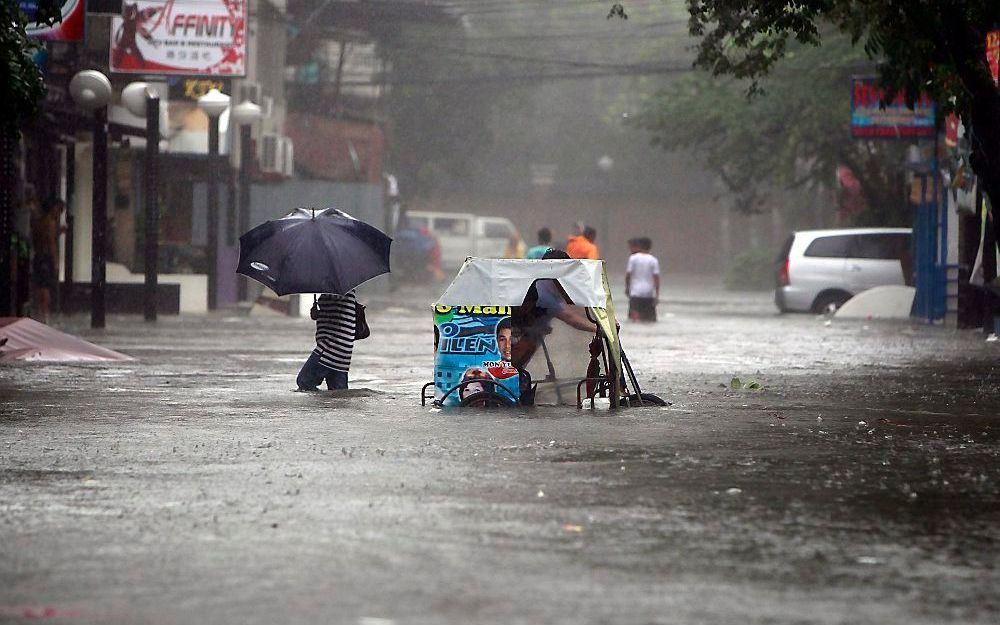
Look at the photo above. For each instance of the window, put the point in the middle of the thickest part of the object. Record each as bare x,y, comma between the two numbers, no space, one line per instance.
889,246
496,230
830,247
453,226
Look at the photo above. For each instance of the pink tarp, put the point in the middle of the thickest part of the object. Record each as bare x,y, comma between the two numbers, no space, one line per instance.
27,339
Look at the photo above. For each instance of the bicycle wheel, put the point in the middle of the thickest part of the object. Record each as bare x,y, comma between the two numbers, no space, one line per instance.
648,399
486,399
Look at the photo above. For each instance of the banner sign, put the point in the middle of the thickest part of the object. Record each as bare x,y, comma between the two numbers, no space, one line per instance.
472,344
193,88
993,53
69,29
869,119
191,37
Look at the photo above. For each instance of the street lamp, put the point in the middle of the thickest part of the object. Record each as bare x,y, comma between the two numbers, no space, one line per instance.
245,114
606,164
91,90
142,101
214,104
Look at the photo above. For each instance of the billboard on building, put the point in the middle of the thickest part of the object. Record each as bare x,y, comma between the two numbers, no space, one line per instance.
69,29
870,119
189,37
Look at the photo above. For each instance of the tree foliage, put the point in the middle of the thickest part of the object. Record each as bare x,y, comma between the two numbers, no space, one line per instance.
934,46
796,132
24,87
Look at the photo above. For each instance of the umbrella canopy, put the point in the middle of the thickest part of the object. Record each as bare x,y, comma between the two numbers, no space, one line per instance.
313,251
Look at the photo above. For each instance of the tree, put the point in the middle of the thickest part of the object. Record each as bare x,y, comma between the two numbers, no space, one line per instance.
795,133
934,46
23,89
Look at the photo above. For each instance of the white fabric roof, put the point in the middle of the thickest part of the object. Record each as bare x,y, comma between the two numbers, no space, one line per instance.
505,282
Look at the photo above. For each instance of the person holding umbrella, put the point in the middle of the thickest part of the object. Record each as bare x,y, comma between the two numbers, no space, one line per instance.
319,251
331,360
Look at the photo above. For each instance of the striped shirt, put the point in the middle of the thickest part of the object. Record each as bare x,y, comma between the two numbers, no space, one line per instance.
335,330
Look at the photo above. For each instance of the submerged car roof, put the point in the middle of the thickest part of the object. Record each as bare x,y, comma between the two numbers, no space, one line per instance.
836,231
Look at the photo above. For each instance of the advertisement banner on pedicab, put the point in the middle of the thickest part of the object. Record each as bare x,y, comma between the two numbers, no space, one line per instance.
473,344
71,28
184,37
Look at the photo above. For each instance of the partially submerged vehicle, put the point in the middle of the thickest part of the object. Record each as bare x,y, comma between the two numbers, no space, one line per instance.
483,328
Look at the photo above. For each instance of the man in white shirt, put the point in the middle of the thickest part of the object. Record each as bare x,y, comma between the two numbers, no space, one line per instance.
642,281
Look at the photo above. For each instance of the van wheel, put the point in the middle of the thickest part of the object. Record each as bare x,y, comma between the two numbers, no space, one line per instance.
829,303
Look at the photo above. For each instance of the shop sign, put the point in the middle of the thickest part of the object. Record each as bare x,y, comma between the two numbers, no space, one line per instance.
194,88
872,116
192,37
993,53
69,29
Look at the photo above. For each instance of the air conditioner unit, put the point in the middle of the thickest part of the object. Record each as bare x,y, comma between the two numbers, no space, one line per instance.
277,155
271,154
289,157
266,106
249,91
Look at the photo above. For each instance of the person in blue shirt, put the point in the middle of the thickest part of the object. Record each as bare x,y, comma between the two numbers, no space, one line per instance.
544,243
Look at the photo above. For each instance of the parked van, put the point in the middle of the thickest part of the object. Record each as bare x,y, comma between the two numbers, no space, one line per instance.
464,234
819,270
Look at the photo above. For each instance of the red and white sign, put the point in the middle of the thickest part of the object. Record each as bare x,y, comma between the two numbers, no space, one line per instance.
69,29
190,37
993,53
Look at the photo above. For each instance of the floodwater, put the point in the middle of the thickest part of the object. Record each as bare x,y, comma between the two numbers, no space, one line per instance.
860,484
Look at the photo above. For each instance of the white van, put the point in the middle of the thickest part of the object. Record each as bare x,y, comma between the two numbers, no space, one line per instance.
464,234
819,270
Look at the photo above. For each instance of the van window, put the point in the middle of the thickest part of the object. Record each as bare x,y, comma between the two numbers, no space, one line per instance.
416,222
496,230
454,226
830,247
888,246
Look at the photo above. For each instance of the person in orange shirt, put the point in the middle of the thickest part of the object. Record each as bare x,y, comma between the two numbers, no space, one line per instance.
582,245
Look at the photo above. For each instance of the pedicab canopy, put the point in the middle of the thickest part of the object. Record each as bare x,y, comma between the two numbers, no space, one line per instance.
479,299
505,282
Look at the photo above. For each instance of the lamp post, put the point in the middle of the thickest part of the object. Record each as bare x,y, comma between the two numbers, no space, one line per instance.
214,104
142,101
606,164
91,90
245,114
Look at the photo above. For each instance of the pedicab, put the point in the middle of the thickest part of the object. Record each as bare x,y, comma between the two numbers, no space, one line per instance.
486,323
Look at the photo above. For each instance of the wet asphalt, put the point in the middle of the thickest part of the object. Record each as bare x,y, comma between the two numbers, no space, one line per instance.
860,484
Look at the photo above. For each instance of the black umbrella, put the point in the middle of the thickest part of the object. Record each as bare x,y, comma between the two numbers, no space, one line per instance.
313,251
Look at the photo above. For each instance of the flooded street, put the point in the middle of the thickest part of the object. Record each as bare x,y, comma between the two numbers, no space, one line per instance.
859,484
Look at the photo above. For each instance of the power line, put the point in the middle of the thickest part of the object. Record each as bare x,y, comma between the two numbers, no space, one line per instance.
624,72
525,59
576,34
